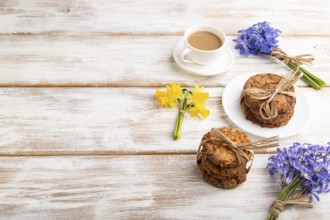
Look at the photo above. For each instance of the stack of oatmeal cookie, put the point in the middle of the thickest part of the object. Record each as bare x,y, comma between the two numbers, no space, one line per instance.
219,164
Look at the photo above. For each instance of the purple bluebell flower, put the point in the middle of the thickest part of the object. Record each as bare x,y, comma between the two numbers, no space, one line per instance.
311,163
242,45
260,38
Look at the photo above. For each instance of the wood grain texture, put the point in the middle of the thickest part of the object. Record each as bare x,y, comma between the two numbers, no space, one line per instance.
101,60
108,153
166,17
98,121
131,187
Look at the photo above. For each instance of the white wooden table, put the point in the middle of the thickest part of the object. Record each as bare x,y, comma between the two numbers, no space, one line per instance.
81,134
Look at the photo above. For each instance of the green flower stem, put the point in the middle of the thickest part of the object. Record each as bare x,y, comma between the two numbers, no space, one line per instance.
308,77
178,126
286,192
179,120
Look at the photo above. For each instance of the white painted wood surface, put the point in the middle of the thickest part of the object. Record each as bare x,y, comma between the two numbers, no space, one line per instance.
98,121
106,151
100,60
294,17
135,187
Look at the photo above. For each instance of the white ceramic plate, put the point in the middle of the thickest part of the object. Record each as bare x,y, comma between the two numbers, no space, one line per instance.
231,105
223,64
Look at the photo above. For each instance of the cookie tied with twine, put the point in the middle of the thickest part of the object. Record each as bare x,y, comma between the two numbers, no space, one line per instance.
269,99
225,156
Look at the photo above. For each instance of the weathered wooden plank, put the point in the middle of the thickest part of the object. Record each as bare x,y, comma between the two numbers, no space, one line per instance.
134,187
100,60
167,16
98,121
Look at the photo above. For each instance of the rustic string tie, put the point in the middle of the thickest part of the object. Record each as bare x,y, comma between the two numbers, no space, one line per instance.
278,206
268,109
299,59
182,112
240,150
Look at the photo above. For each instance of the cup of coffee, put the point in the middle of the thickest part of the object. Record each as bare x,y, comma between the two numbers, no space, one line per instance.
203,44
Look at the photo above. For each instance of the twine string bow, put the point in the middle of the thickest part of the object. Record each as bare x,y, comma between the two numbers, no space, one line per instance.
278,206
240,150
299,59
268,109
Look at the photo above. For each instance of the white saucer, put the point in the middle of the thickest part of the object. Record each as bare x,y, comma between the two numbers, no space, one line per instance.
231,105
223,64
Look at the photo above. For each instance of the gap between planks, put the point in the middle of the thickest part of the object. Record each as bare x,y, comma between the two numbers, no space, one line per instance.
114,85
132,34
106,154
103,85
97,154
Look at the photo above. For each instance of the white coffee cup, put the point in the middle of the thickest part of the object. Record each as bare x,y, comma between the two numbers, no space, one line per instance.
191,54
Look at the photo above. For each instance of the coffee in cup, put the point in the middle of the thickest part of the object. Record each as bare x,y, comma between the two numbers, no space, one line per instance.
203,44
204,40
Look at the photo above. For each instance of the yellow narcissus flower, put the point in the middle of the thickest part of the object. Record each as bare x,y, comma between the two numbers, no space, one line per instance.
185,100
199,109
169,97
199,97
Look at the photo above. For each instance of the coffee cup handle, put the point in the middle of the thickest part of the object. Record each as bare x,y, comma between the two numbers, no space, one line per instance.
183,55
